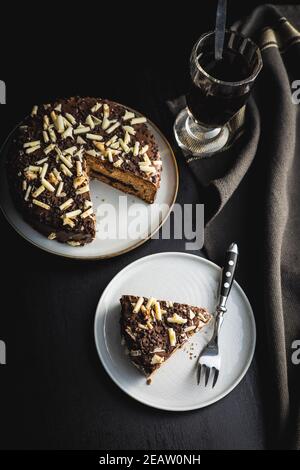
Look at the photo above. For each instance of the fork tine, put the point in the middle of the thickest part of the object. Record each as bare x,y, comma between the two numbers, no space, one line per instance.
207,372
199,374
215,377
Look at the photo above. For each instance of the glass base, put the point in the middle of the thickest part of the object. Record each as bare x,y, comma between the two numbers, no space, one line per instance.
197,140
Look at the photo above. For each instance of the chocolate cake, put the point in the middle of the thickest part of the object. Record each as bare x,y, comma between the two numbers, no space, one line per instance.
152,330
60,146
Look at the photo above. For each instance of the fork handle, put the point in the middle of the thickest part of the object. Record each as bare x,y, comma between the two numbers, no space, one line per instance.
228,273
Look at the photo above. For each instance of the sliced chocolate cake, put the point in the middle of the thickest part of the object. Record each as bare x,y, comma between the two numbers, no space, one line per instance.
153,330
59,146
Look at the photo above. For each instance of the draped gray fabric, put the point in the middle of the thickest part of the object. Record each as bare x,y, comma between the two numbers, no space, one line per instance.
251,193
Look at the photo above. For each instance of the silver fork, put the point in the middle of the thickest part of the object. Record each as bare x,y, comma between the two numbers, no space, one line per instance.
209,361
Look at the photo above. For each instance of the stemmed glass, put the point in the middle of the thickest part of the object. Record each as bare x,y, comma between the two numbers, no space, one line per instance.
218,90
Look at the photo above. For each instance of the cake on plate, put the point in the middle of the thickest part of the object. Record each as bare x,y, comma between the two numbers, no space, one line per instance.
152,330
60,146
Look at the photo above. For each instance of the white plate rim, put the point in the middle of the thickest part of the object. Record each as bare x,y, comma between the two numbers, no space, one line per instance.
183,408
118,253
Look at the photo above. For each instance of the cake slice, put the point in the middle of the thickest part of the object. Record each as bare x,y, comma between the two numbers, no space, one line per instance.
153,329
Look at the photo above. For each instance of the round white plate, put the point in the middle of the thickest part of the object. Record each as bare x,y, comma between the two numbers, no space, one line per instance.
150,216
183,278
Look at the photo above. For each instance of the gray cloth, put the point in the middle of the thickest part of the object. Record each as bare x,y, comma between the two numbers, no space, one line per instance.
251,193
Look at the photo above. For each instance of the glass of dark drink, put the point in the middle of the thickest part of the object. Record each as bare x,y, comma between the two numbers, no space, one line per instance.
218,90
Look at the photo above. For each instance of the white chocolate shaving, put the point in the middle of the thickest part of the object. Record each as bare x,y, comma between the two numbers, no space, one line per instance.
111,140
66,122
110,157
45,137
144,149
157,311
46,122
70,150
28,192
32,149
80,140
83,190
124,146
59,189
78,168
59,124
172,336
67,221
65,170
33,143
93,153
150,302
89,121
113,127
138,120
129,129
191,315
53,116
138,305
34,111
146,159
87,204
136,149
95,108
87,213
71,119
49,149
128,115
44,170
105,110
105,123
72,214
66,204
38,191
118,163
126,138
94,137
68,133
48,185
82,130
96,120
156,359
35,169
52,134
41,204
177,319
190,328
57,174
115,146
66,161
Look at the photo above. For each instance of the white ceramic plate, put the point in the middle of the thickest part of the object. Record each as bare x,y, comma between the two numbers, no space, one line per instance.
183,278
152,215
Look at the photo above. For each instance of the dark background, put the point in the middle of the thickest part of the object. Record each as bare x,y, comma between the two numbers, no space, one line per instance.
54,392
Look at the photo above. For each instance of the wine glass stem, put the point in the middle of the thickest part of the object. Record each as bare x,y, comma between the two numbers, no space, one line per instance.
199,132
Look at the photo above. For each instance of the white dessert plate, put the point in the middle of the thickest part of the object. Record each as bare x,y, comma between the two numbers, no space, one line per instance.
183,278
107,202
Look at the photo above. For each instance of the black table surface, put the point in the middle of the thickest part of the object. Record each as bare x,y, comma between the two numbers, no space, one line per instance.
55,393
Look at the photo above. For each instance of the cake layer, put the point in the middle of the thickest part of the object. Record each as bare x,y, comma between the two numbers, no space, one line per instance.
56,148
153,330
